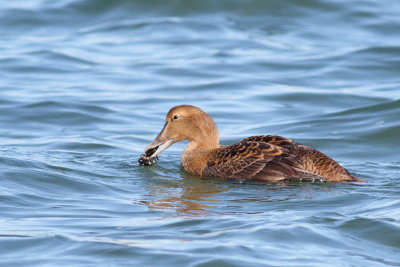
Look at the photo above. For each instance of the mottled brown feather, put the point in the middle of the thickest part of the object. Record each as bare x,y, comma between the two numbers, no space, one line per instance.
273,158
252,159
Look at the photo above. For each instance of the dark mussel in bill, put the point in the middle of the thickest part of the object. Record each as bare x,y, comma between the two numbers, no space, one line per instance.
146,159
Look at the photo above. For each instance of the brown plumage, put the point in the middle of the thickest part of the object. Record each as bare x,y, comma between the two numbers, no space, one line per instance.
269,158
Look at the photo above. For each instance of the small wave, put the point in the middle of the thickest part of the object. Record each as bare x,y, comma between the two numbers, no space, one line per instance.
374,230
62,113
68,105
63,56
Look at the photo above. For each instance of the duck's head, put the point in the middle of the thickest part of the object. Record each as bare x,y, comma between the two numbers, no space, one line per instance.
185,122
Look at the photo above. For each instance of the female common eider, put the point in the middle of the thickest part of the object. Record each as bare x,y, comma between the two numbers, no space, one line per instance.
265,157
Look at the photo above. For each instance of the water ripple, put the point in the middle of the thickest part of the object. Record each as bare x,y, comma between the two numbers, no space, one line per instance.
85,87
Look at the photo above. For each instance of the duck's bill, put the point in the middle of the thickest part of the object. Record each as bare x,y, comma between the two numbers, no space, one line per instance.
157,146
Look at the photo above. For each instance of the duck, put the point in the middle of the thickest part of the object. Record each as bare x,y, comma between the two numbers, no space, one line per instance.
269,158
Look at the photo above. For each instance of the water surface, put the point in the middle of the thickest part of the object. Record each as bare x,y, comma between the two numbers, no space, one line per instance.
85,86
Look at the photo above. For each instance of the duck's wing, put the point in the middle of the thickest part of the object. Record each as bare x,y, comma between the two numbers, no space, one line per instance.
315,164
254,159
275,140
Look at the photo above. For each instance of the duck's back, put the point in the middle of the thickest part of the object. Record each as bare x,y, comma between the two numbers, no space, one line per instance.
274,158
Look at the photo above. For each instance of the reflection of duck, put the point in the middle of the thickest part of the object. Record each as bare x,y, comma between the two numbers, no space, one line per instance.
266,157
192,198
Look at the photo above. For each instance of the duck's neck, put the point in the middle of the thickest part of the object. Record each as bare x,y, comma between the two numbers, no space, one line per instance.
196,155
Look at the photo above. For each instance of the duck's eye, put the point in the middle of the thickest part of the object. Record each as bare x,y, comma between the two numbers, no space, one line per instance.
176,117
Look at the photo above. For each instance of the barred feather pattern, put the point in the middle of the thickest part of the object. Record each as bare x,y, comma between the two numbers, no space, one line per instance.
273,158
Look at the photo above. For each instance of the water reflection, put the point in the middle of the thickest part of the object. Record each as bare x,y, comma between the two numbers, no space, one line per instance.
185,197
197,196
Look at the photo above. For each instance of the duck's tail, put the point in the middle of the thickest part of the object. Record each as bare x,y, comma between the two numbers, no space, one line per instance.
356,179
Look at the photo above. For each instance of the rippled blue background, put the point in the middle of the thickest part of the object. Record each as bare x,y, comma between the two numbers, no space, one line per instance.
85,86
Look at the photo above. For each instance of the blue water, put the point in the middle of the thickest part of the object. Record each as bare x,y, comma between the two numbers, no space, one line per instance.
85,86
